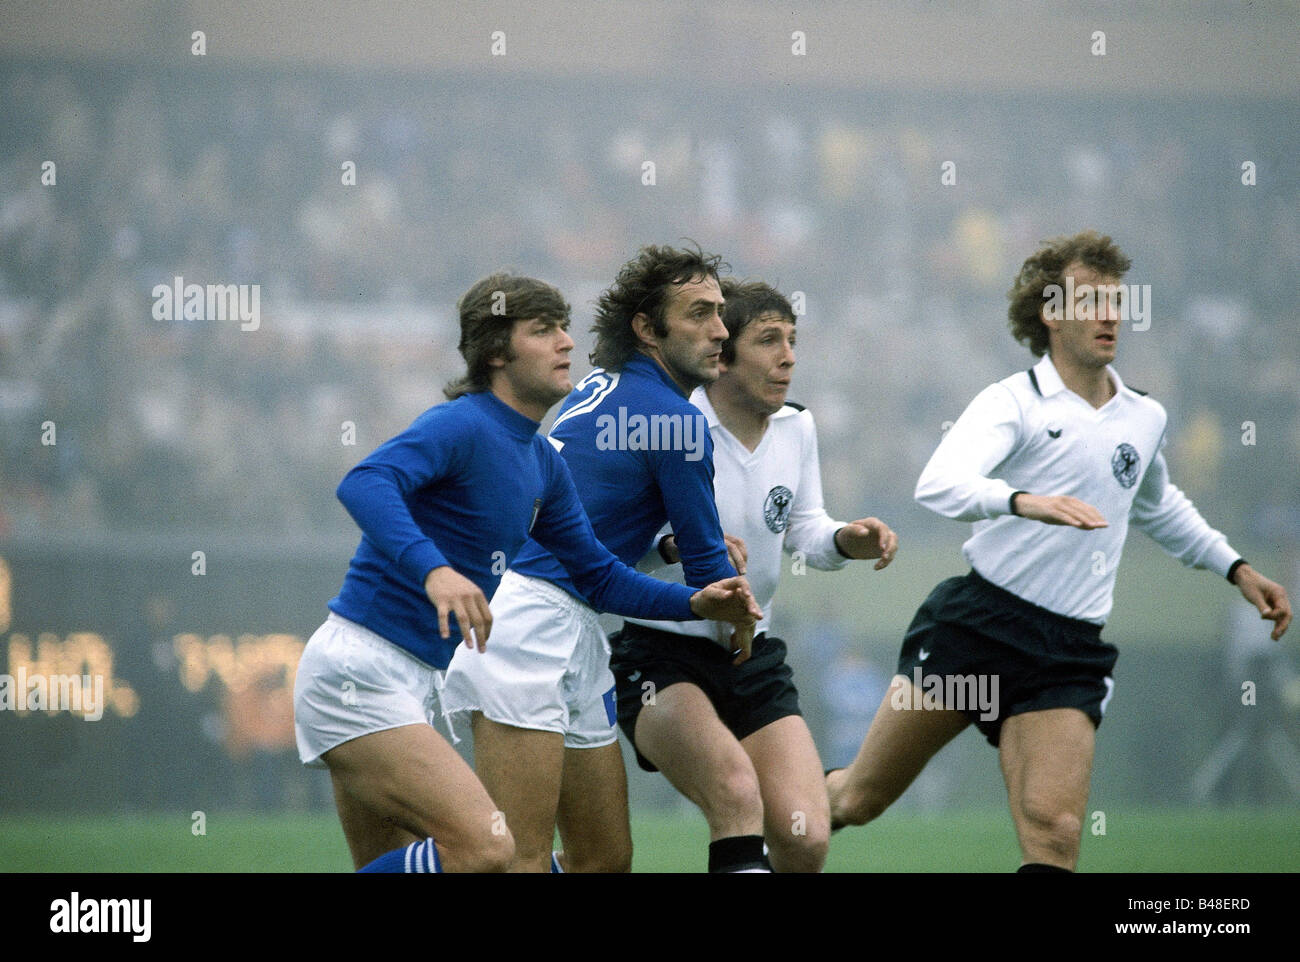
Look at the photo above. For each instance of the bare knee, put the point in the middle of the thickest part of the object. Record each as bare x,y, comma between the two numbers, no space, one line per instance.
859,802
733,791
794,851
492,852
1051,831
476,845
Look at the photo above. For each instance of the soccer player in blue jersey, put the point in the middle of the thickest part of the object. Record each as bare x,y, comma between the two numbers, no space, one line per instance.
443,507
541,699
1052,465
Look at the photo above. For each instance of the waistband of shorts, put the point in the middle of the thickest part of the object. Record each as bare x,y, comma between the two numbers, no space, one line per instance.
1014,601
552,592
377,639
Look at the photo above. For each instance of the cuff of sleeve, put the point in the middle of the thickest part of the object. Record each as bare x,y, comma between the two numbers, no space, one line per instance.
681,596
419,559
995,500
1220,558
835,542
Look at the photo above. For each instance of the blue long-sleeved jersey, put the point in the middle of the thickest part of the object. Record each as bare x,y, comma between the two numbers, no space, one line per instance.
464,486
640,454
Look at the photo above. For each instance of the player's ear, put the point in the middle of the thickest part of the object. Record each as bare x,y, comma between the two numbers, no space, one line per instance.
501,358
644,330
1048,317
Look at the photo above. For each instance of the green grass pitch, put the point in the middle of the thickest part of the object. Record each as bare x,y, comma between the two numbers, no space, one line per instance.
1149,840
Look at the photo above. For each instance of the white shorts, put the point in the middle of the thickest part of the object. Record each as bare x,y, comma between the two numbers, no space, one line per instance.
546,667
353,682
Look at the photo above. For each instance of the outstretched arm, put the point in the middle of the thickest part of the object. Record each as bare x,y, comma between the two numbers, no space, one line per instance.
564,529
1170,519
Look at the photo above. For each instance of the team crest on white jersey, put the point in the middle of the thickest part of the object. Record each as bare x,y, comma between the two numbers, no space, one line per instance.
776,509
1125,464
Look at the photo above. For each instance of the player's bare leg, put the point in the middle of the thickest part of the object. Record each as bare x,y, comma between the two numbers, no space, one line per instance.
595,830
682,735
1047,763
368,834
407,784
521,768
796,814
899,744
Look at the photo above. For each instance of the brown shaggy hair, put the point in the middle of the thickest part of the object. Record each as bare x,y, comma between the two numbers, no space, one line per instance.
1047,266
488,312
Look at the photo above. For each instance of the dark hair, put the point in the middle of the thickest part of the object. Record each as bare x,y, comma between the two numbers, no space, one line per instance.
747,301
644,286
488,312
1047,266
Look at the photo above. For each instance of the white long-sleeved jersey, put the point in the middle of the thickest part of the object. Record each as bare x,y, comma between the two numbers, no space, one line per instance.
1028,432
772,498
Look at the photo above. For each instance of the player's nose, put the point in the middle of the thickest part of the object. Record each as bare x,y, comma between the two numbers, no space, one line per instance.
717,330
1107,310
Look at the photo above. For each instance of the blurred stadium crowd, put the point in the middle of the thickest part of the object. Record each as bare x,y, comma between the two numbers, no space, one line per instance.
228,178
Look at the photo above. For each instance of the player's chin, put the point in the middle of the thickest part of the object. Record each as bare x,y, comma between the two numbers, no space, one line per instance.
707,373
558,392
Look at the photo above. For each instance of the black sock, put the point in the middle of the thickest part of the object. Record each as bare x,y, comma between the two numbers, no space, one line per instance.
1041,867
739,853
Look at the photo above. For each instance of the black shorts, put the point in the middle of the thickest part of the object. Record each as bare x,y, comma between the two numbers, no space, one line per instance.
993,655
746,697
